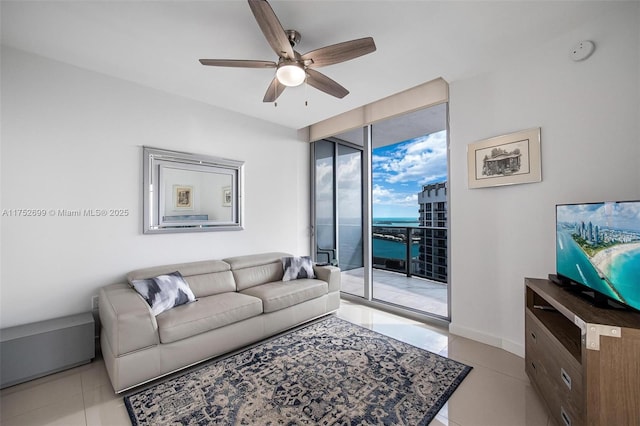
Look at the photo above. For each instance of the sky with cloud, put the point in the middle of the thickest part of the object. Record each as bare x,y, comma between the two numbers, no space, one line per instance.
621,215
399,171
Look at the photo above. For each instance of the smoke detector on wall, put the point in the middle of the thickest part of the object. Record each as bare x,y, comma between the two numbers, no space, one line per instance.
582,50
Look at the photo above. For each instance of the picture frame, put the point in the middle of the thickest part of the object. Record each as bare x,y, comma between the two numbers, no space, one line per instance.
226,196
183,197
509,159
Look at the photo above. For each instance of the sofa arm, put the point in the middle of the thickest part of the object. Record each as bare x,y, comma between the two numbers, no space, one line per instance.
329,274
127,320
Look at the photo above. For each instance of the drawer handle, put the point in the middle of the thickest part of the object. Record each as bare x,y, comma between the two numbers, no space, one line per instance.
566,378
565,417
533,336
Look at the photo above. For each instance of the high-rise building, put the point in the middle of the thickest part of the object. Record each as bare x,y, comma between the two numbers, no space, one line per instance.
433,259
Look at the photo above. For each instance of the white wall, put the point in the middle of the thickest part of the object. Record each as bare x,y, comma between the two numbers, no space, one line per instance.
589,113
71,139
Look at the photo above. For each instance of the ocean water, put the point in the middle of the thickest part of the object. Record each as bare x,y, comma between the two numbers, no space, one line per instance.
393,249
350,233
572,262
624,272
395,221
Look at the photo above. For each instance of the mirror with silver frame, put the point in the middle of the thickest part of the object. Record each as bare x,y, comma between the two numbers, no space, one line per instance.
191,193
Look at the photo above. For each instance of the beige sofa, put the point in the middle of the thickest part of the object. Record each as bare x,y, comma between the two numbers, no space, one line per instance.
240,300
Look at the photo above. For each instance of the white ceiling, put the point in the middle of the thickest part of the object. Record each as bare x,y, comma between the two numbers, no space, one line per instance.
158,44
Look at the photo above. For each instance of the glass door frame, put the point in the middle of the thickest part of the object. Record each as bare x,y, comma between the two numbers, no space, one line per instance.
367,214
367,228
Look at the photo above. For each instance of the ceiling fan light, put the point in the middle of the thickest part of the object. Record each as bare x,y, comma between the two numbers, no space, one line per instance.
291,75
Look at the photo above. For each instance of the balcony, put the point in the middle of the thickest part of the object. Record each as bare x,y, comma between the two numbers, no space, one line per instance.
402,276
397,249
419,294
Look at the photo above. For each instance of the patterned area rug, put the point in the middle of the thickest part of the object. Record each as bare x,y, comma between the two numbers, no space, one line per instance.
329,373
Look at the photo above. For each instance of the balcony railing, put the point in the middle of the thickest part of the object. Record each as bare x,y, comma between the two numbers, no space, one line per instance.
402,249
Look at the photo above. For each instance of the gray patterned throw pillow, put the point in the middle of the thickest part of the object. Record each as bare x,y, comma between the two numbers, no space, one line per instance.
297,267
164,291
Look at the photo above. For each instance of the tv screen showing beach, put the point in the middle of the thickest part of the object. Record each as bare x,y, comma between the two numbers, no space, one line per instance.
598,245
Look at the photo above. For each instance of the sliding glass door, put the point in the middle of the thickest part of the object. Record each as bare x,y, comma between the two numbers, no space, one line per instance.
381,210
349,197
409,185
338,206
325,205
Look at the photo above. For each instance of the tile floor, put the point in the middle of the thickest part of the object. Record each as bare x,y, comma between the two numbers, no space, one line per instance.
496,392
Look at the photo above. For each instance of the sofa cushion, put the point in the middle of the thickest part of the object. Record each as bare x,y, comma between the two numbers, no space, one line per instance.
279,295
212,283
207,313
205,277
296,267
256,269
164,291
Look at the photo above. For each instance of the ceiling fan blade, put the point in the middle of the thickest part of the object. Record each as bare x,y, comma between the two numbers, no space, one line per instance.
324,83
271,28
340,52
238,63
275,89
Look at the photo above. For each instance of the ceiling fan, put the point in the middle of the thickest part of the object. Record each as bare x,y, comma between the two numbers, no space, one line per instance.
292,68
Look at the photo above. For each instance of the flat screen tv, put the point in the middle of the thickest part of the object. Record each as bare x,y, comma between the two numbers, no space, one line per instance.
598,248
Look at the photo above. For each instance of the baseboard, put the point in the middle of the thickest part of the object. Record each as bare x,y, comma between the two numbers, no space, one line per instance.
513,347
489,339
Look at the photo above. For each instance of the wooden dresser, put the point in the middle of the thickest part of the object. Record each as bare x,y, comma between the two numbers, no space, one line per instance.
582,360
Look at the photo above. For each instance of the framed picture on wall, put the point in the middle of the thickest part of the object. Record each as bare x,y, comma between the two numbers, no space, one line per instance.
505,160
226,196
183,197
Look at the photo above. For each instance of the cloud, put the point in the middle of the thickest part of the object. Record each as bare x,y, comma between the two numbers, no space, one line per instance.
423,160
398,173
324,179
400,170
385,196
623,215
380,193
350,172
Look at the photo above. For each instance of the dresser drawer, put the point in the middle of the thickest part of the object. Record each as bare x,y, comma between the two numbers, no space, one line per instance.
556,373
